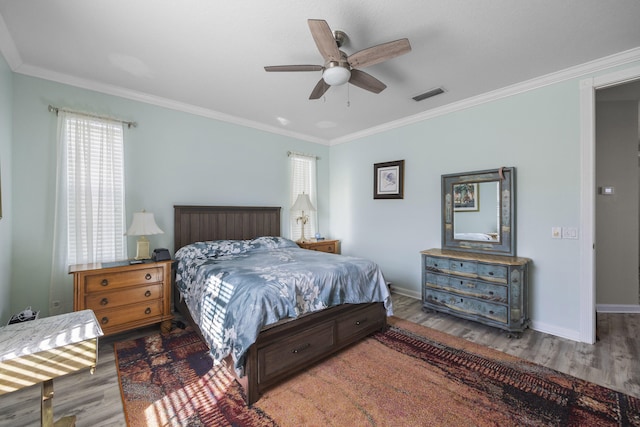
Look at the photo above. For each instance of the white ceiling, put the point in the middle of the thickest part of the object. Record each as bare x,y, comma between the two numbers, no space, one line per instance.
207,57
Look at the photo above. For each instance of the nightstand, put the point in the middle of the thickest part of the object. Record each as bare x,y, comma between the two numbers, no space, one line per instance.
330,246
124,296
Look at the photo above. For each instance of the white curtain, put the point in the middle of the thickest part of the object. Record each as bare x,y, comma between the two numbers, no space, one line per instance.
303,180
89,213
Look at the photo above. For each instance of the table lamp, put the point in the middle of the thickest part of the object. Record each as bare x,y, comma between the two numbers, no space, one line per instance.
303,204
143,224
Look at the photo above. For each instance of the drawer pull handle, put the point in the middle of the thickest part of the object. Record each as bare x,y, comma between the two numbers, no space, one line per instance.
491,273
360,322
104,301
147,276
147,294
104,320
301,348
490,311
490,292
147,311
104,282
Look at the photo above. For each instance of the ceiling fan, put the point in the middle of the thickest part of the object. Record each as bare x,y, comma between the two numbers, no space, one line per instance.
339,68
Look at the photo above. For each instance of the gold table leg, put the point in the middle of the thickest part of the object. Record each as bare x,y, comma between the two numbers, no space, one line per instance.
46,409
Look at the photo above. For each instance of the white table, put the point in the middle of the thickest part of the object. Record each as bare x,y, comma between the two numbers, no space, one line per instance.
40,350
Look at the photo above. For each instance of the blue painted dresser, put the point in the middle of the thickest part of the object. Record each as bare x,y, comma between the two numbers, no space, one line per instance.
490,289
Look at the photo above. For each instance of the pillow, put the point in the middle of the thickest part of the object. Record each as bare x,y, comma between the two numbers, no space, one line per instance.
217,248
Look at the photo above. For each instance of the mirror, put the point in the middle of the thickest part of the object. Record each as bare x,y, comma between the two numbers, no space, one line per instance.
478,211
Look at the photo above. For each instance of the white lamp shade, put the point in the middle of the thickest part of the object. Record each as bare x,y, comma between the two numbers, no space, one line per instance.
143,224
303,204
336,76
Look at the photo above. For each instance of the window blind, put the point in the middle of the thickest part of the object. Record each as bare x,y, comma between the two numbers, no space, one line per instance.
303,180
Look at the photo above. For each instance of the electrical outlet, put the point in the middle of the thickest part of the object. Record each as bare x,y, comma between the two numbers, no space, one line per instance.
556,232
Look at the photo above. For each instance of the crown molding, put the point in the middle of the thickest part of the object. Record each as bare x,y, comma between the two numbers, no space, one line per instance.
595,66
159,101
8,47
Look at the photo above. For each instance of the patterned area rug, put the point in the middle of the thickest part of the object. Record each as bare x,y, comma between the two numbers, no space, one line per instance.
407,376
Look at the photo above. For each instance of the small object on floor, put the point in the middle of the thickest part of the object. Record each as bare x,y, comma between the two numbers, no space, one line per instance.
180,324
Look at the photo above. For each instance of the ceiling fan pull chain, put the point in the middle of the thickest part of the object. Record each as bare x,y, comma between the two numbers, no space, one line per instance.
348,97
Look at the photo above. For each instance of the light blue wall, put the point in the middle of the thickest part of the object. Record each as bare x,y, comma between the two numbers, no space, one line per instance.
6,97
537,132
171,158
177,158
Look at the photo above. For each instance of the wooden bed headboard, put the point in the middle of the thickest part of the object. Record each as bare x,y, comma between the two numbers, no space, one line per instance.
200,223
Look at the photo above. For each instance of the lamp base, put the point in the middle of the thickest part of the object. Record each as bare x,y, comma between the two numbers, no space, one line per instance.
142,248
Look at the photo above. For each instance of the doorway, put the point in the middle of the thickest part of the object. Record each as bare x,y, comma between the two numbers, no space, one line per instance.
587,194
617,200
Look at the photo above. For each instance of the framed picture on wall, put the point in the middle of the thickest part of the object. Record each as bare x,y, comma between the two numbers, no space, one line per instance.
466,197
388,180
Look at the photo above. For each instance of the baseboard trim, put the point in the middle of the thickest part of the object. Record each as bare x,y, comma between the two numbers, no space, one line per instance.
546,328
406,292
617,308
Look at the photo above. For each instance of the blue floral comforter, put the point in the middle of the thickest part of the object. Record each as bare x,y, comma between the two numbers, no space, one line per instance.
233,288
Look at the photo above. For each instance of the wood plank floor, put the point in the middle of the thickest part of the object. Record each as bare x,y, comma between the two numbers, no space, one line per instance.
613,362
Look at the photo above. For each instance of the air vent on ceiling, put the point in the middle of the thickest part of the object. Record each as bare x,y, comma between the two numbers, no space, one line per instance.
428,94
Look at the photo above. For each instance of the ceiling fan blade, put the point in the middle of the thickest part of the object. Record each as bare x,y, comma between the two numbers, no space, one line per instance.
379,53
293,68
366,81
319,90
324,39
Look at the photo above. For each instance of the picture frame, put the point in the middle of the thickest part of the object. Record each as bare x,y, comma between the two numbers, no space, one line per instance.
388,180
466,197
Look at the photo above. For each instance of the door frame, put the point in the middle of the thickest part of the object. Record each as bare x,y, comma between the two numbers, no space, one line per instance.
588,88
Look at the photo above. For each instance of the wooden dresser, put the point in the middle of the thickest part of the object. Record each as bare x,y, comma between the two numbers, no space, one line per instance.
329,246
490,289
124,296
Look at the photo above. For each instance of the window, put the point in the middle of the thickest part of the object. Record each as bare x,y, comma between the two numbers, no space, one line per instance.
89,215
303,180
95,185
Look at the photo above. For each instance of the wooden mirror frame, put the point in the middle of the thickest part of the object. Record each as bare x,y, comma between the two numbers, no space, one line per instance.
506,179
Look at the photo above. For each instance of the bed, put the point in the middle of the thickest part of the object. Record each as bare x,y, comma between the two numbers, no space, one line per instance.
283,347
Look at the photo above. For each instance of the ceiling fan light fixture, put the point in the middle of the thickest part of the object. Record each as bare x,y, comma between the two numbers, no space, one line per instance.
336,75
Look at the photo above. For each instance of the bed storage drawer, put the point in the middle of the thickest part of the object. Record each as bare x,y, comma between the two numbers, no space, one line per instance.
360,324
298,350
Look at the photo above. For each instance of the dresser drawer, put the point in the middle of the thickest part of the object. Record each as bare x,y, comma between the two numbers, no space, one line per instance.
469,287
493,273
101,300
463,267
298,350
361,323
324,247
437,264
468,306
104,281
114,317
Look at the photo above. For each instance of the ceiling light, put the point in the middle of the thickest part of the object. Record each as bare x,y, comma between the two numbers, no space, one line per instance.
336,75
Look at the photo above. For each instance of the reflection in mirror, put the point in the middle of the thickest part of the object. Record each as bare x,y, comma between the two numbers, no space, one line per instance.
477,211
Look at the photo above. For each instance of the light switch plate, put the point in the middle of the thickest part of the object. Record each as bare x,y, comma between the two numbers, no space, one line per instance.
556,232
569,233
